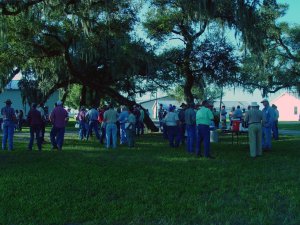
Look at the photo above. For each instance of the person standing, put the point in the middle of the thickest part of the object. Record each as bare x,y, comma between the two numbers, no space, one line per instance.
223,117
20,119
92,116
254,118
172,123
122,119
190,122
110,119
82,123
181,116
102,123
203,120
275,124
141,120
35,122
216,118
238,114
9,120
58,118
267,123
40,108
161,114
130,129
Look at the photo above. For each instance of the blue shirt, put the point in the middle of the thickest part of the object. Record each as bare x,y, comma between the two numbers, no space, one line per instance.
268,116
123,116
238,114
92,114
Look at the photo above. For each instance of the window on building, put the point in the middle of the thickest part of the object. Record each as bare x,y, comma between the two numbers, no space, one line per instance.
295,110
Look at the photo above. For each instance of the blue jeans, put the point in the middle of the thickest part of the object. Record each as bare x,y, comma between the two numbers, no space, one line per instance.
111,131
173,132
82,129
191,134
37,132
8,133
130,136
93,125
275,130
123,134
57,137
266,137
203,135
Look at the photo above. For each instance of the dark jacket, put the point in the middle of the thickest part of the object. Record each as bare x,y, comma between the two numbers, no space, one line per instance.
34,118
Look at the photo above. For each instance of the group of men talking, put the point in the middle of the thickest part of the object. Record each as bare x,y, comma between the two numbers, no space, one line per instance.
196,124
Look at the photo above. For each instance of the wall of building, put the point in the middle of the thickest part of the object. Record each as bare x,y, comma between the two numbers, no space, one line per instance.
15,96
288,107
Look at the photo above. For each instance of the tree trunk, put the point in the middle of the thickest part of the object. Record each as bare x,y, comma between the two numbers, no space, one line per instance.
124,101
83,97
188,95
189,78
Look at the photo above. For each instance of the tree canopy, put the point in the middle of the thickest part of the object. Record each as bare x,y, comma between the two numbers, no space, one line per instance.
94,44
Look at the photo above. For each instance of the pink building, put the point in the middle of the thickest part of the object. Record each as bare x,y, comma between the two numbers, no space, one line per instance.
288,106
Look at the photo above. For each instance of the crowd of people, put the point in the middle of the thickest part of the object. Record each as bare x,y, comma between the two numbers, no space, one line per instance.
191,125
106,123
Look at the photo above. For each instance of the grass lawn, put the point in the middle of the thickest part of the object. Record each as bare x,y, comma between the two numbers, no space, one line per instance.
151,184
289,126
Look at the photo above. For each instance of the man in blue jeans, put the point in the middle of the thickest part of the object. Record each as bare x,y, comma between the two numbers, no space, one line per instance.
190,122
204,117
110,119
58,118
9,120
92,116
172,122
267,124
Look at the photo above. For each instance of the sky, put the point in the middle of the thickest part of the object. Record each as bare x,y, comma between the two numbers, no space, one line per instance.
238,94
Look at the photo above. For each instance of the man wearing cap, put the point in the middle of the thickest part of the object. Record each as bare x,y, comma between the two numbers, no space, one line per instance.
35,122
190,122
58,118
275,124
254,118
9,120
203,120
267,124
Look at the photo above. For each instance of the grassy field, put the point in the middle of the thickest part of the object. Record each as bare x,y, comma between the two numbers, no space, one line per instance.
151,184
289,126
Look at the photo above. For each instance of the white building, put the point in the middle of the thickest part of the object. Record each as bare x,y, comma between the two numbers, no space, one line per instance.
12,92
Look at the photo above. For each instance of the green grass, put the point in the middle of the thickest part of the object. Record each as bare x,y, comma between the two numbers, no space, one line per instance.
289,126
151,184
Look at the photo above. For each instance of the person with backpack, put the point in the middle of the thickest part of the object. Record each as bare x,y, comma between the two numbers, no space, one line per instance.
9,123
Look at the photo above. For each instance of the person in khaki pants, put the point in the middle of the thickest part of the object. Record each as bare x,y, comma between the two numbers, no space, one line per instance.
254,119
